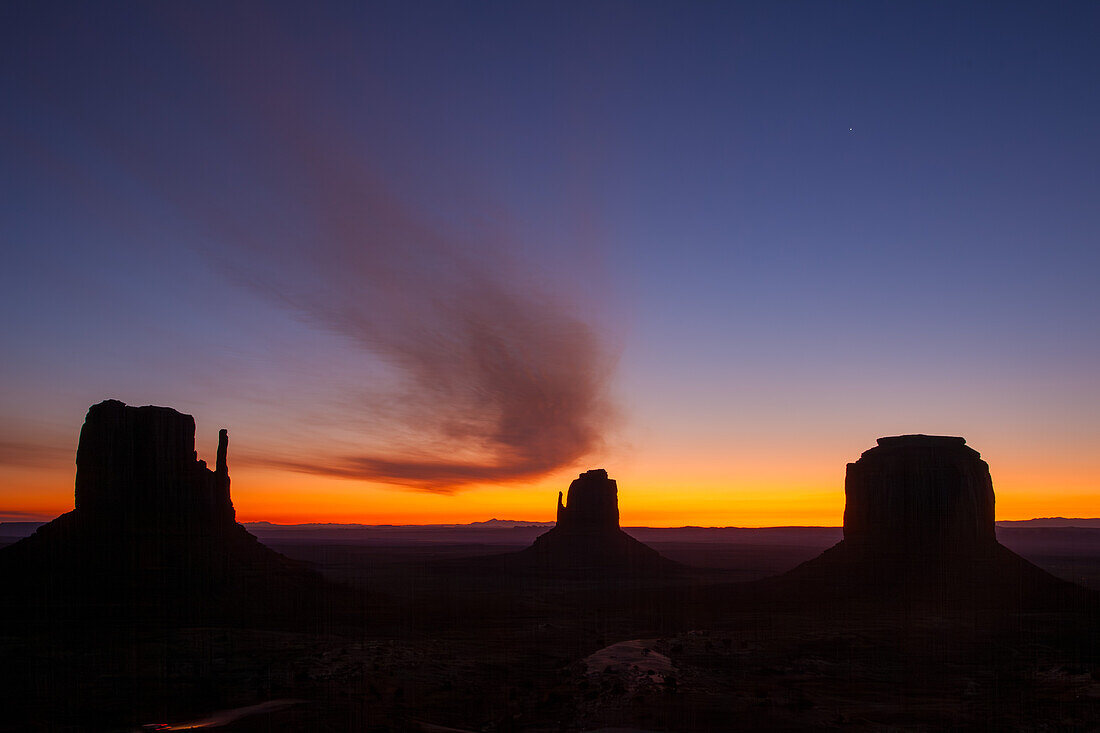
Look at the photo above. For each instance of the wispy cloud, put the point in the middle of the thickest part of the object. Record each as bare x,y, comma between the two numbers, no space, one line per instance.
499,379
34,455
499,384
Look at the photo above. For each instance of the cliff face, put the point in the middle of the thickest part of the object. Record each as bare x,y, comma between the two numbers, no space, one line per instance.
592,504
919,494
139,465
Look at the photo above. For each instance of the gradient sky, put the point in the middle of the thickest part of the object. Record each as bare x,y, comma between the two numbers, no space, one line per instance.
427,261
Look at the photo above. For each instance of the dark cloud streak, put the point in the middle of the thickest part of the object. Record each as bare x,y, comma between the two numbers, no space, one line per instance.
34,455
239,125
502,382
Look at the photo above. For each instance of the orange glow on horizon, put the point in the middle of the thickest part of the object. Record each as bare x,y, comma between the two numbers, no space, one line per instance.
282,497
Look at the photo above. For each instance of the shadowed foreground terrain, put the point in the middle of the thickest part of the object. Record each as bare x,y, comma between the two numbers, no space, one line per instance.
916,618
470,652
464,652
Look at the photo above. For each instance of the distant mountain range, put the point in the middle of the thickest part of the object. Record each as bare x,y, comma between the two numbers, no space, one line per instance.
1051,522
487,524
512,523
18,529
12,530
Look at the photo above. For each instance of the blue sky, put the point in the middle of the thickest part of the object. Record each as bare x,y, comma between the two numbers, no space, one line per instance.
785,226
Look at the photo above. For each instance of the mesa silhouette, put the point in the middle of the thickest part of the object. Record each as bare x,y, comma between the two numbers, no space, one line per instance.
153,534
587,538
919,528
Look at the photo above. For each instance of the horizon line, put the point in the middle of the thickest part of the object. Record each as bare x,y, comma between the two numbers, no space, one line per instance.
17,519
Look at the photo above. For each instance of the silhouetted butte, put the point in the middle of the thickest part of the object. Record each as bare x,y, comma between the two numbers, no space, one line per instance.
919,525
153,534
587,537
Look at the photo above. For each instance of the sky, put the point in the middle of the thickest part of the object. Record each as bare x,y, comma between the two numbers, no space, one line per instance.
428,261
